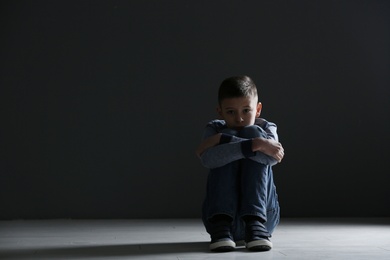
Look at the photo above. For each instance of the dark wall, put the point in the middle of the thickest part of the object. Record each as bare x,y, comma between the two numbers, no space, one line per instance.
104,102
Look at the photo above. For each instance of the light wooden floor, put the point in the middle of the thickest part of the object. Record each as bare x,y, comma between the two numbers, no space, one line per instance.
186,239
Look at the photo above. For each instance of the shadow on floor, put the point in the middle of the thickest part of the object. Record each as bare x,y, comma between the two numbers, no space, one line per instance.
106,251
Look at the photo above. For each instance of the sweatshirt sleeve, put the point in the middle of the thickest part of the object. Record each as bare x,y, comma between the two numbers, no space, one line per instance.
270,132
269,128
230,148
238,148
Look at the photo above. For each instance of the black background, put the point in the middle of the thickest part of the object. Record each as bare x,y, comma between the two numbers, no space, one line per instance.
104,102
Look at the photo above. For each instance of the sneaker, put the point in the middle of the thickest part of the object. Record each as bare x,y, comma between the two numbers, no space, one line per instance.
221,238
222,245
257,236
262,244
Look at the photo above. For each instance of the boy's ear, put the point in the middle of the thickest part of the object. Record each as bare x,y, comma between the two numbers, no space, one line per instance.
258,109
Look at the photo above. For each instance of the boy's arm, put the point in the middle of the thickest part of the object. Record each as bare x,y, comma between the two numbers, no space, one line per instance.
269,128
218,149
239,148
208,143
223,154
268,147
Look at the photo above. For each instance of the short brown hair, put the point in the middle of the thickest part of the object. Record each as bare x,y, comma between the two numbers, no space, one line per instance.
237,86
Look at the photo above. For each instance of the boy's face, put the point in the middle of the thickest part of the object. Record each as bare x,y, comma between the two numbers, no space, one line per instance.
239,112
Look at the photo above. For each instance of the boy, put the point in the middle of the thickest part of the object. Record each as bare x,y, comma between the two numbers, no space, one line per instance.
241,201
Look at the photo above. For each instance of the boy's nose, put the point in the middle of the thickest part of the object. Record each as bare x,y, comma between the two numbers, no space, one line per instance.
239,118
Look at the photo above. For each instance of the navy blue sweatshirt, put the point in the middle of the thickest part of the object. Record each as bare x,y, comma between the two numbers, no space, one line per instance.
232,148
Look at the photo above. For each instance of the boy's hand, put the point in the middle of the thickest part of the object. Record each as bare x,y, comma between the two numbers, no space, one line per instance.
269,147
207,143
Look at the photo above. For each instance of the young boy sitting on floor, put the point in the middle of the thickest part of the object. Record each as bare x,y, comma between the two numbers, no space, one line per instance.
240,149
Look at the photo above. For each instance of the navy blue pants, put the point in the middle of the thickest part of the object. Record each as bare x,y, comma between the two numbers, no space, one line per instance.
242,188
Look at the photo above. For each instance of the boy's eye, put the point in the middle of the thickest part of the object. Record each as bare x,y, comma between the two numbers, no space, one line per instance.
247,110
230,112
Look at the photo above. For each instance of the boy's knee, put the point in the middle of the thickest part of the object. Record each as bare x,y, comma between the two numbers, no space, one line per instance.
252,131
229,131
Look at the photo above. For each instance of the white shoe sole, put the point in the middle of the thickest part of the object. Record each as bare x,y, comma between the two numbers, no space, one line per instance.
259,245
223,246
